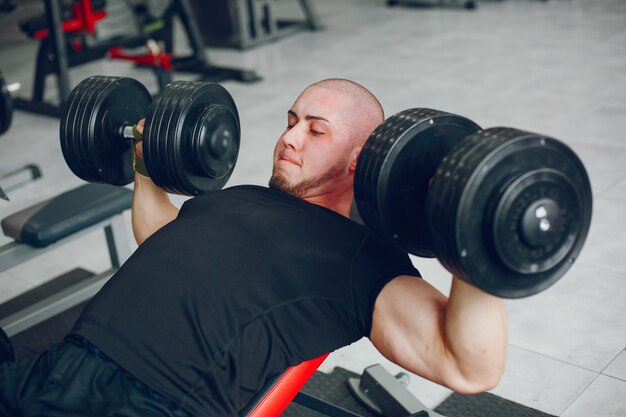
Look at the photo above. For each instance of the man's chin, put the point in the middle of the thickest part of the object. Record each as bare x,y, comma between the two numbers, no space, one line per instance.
280,183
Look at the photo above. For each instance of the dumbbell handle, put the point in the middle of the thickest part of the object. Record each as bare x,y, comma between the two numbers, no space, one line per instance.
13,87
127,133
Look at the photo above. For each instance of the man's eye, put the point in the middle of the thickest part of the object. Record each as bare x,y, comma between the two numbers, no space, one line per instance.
316,132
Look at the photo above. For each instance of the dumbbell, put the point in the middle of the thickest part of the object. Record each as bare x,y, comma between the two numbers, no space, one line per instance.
501,208
6,103
190,137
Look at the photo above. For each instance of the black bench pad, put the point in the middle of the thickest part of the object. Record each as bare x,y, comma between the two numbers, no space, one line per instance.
50,221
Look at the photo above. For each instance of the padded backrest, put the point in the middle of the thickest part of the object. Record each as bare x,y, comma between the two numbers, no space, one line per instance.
277,394
69,212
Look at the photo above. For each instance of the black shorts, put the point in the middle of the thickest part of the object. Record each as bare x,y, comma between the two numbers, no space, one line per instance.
74,379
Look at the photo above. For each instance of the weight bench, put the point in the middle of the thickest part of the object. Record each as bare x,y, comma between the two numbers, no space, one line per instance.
55,222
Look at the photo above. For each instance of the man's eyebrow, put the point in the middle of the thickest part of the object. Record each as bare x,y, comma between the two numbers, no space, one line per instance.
309,117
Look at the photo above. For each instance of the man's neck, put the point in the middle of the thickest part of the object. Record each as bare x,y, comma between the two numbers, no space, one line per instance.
339,203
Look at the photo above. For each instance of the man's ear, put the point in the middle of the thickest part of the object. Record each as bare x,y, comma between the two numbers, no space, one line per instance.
354,156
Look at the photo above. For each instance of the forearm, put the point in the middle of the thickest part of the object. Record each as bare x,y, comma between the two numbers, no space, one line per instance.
151,208
476,333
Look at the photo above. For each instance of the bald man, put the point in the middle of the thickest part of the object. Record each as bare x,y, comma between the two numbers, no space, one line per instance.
242,283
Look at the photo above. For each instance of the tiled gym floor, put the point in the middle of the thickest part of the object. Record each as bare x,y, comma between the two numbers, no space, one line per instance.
556,67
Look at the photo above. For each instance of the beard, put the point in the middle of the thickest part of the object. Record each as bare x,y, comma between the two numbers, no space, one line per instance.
299,189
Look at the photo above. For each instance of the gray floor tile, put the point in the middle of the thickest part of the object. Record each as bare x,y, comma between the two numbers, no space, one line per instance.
579,320
606,397
605,165
617,192
12,285
542,383
617,368
605,244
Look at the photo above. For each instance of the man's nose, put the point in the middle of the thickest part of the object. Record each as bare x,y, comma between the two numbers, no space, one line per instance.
294,137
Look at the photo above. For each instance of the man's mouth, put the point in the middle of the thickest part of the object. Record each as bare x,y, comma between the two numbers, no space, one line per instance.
287,159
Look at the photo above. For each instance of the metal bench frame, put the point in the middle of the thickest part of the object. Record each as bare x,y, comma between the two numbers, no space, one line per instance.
15,253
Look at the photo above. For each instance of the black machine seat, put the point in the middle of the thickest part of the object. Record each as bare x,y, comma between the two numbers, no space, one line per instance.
33,24
77,209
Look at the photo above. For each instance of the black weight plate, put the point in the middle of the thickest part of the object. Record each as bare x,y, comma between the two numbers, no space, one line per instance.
463,162
171,161
171,147
505,175
440,207
533,226
394,171
159,127
92,125
86,108
151,128
391,144
76,130
447,188
73,127
151,125
214,146
126,102
155,127
6,107
214,108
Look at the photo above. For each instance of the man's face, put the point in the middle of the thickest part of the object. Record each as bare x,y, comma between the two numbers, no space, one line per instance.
314,153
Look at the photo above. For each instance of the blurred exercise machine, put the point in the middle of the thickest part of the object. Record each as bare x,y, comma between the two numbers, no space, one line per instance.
247,23
14,179
66,33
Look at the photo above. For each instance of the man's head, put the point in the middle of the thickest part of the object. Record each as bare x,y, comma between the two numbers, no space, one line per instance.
327,126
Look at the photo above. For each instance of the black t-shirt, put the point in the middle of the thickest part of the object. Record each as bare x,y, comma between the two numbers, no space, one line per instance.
243,284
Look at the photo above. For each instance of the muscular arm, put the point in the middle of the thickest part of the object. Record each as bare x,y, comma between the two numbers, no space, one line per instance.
458,342
151,208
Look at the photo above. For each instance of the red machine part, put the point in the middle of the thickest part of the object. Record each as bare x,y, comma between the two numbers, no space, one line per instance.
286,388
152,58
84,20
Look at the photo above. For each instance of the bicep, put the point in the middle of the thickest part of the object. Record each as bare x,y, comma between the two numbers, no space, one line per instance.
408,327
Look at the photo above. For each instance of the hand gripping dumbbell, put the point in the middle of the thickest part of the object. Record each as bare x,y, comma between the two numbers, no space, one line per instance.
190,137
6,103
503,209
